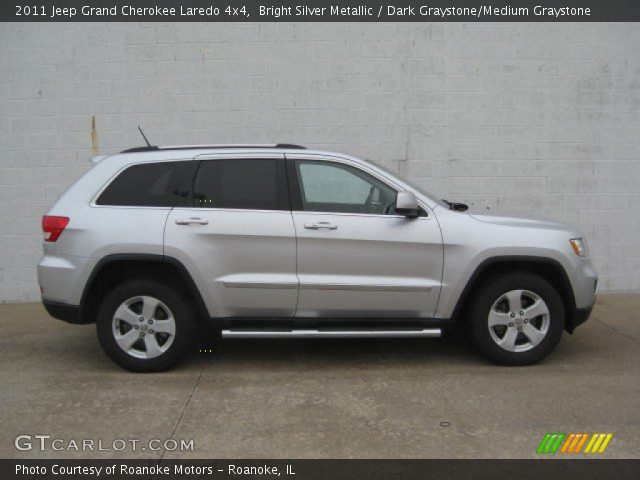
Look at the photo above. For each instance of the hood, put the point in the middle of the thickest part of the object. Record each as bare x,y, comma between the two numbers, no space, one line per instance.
518,219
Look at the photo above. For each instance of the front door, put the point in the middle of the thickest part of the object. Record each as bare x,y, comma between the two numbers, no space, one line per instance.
356,257
238,238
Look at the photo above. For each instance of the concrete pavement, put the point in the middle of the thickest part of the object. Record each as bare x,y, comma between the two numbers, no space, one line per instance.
320,398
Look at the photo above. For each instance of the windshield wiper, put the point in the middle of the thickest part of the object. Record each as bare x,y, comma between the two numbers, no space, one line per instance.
458,207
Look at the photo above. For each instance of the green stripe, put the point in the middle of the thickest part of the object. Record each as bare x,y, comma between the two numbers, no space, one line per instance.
550,443
559,440
543,443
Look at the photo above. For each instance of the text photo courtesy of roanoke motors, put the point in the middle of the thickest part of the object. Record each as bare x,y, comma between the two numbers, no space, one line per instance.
319,240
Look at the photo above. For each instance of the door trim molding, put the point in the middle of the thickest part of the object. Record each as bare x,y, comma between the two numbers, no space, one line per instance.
269,285
365,288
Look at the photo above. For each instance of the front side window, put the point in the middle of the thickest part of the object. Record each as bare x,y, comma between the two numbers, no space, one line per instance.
335,187
241,183
162,184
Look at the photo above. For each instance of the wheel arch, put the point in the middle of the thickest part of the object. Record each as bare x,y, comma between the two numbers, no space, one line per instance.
114,268
547,268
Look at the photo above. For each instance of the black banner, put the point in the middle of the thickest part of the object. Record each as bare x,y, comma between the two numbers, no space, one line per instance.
583,469
319,10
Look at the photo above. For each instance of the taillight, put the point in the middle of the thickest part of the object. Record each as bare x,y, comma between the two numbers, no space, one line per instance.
53,227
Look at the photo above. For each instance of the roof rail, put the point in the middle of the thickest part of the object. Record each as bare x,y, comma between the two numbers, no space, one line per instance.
196,147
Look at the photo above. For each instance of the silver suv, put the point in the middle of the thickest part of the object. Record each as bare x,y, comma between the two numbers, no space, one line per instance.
154,243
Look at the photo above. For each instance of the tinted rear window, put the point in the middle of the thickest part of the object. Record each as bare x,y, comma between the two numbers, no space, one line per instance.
255,184
163,184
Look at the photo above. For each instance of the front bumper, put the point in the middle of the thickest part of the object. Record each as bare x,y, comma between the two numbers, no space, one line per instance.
577,317
581,316
585,284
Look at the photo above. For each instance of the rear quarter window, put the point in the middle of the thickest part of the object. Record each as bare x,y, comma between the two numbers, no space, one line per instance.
162,184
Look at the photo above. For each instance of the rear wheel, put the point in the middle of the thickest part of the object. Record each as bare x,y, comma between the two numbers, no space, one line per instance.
516,319
145,326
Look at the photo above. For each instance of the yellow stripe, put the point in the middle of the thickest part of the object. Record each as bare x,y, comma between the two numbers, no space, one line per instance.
607,439
574,443
596,445
582,440
590,444
567,442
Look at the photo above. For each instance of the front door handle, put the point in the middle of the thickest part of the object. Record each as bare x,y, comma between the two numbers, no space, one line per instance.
320,226
192,220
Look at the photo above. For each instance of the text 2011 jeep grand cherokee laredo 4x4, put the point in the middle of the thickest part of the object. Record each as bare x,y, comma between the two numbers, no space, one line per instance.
279,241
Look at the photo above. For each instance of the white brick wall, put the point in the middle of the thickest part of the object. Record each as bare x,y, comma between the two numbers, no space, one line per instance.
538,117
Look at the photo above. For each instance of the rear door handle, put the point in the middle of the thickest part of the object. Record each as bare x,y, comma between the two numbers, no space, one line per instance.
192,220
320,226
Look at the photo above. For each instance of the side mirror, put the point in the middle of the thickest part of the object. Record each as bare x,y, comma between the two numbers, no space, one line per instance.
407,205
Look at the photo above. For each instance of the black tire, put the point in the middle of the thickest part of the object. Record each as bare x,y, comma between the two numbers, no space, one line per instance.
184,321
481,305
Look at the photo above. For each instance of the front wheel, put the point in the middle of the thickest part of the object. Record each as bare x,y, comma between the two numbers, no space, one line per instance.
145,326
516,319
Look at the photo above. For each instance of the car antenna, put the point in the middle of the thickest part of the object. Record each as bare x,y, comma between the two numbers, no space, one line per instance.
144,136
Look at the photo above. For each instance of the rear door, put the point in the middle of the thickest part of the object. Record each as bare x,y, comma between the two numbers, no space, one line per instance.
355,256
238,237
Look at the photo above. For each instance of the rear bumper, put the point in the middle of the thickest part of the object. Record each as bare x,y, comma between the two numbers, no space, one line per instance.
63,311
63,277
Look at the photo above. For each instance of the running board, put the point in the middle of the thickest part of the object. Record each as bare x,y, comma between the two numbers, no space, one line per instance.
424,332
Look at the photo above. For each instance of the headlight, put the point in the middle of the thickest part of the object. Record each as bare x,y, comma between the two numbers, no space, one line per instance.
579,246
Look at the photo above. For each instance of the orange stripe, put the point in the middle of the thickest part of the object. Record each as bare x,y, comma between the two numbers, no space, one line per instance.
584,439
567,442
574,443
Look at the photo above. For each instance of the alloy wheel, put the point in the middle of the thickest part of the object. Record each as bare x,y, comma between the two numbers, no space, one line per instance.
144,327
518,320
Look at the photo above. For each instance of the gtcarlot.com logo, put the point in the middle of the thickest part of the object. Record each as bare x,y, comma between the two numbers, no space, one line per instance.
43,442
555,442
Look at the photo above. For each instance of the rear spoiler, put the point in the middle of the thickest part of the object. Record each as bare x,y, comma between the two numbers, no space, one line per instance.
97,158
